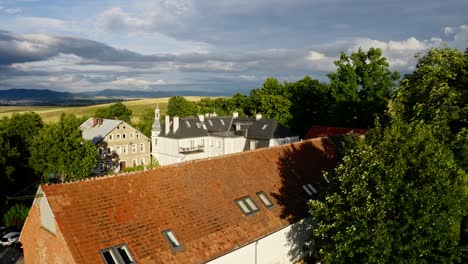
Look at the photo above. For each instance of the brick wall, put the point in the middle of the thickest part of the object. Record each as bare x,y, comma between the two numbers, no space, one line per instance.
41,246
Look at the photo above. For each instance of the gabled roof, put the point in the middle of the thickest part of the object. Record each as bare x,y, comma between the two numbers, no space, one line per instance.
196,200
326,131
99,131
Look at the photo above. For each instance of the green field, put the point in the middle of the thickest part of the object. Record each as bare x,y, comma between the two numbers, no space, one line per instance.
52,114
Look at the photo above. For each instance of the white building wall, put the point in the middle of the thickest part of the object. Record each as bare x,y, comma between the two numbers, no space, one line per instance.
282,141
271,249
234,144
168,150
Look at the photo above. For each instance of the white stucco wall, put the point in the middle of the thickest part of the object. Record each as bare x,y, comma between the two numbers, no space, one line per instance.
275,248
282,141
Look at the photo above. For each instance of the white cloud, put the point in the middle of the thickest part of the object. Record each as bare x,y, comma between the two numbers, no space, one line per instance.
13,10
131,82
460,37
319,61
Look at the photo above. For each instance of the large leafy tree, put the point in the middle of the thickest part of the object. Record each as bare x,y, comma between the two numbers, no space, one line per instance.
397,198
60,151
436,93
273,101
117,110
362,87
181,107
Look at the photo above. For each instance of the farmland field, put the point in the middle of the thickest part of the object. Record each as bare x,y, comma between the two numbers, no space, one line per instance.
52,113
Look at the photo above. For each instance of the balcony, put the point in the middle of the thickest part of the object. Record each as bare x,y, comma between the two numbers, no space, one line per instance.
193,149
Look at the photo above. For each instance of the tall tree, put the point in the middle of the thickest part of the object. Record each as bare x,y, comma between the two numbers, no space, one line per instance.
60,151
397,198
273,101
117,110
181,107
361,86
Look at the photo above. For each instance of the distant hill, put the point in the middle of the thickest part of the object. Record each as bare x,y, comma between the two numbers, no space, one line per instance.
37,97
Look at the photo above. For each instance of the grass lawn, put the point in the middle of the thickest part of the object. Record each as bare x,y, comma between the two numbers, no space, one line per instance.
52,114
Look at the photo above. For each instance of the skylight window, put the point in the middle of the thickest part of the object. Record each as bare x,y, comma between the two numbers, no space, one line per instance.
309,189
247,205
222,121
173,242
211,123
264,126
187,123
264,198
117,255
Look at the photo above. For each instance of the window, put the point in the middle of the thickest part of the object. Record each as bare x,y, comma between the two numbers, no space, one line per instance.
117,255
142,146
309,189
264,198
117,136
187,123
202,142
134,148
109,151
173,242
247,205
124,135
132,135
137,135
209,121
101,167
222,122
110,137
124,149
134,162
264,126
118,149
238,127
100,150
155,141
142,162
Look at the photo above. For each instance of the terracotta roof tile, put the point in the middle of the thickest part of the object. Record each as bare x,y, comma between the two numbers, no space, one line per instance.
194,199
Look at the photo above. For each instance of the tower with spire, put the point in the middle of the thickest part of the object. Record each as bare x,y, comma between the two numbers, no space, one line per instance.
155,129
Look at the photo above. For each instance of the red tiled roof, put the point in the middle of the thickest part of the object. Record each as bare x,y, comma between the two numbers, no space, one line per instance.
195,200
326,131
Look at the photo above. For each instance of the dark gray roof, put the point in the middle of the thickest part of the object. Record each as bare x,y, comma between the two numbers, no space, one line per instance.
251,128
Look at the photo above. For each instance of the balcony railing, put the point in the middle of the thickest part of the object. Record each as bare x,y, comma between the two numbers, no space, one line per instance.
194,149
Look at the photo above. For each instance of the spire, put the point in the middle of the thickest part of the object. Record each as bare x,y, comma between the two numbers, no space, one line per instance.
157,123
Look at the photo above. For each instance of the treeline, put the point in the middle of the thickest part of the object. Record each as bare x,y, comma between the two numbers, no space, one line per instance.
357,92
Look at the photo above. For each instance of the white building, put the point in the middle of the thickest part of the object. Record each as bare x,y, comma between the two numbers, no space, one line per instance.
190,138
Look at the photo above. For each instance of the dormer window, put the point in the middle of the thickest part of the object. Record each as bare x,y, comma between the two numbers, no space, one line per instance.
117,255
309,189
187,123
172,240
247,205
210,122
264,126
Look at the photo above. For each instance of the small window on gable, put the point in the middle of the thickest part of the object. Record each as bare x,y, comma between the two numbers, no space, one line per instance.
117,255
118,136
264,198
124,135
309,189
110,137
247,205
132,135
172,240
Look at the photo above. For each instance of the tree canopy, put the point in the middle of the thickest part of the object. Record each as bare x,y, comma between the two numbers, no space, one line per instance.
181,107
115,111
392,204
60,151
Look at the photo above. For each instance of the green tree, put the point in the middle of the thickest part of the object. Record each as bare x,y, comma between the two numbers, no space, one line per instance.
16,215
115,111
436,93
273,101
362,86
60,151
146,121
397,198
181,107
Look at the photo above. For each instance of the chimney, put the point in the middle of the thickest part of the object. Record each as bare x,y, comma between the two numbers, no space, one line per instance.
95,121
175,126
202,118
235,114
258,116
167,124
100,121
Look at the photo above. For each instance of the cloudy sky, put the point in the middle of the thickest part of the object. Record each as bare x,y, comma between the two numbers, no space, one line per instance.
210,45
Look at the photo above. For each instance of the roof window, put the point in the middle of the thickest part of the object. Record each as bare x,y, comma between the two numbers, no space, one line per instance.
264,126
222,121
264,198
187,123
247,205
117,255
309,189
173,242
209,121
